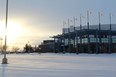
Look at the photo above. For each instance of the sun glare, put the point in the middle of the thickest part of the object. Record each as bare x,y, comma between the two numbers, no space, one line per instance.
14,30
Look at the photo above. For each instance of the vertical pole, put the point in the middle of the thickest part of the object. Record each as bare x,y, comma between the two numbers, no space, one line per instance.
88,33
76,43
99,31
80,22
99,21
81,32
96,41
109,42
4,61
76,39
88,20
64,36
110,21
74,34
69,34
54,45
110,37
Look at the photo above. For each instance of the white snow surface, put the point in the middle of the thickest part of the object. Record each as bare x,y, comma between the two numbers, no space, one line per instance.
59,65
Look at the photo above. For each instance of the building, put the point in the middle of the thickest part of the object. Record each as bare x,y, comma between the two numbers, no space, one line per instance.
87,39
47,46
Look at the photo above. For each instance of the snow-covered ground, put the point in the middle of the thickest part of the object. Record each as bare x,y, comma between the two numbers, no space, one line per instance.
59,65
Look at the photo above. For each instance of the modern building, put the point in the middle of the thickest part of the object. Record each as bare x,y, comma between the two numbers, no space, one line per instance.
87,39
47,46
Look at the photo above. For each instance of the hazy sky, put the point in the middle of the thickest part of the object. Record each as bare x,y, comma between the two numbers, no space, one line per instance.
40,19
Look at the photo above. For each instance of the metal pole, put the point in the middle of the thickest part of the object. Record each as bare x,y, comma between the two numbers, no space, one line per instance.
99,31
76,43
99,21
88,20
110,21
64,36
74,33
88,30
110,37
54,45
80,22
4,61
96,41
80,34
69,35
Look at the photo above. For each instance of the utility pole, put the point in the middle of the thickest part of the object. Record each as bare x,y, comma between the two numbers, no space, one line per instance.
4,60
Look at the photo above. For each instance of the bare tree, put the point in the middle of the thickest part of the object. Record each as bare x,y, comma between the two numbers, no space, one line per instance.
15,49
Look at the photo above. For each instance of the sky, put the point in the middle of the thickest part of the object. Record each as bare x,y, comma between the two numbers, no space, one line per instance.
32,21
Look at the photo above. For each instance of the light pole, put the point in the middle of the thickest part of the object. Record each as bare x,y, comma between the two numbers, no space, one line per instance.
64,36
110,36
99,21
88,27
80,22
110,16
81,34
75,32
88,19
4,60
96,41
100,42
69,34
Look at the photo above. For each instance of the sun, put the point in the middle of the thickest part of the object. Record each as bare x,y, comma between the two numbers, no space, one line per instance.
14,30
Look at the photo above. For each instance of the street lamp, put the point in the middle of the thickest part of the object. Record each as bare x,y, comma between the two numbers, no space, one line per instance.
4,60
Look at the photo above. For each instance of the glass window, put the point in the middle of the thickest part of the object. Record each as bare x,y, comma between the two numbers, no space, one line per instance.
93,40
104,40
113,40
84,40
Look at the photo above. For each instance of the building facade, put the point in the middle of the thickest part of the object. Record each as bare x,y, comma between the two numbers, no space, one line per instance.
47,46
92,39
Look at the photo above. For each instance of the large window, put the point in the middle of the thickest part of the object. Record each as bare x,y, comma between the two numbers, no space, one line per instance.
94,40
113,40
104,40
84,40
